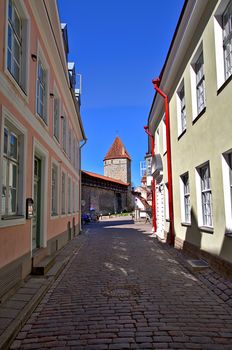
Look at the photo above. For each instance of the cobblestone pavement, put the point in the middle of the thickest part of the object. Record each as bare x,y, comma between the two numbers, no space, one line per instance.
124,291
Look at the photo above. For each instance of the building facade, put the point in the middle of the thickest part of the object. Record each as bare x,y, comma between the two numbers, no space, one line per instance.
41,131
192,164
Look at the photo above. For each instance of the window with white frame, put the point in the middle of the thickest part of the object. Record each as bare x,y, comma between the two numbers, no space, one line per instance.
74,197
223,41
227,187
12,172
17,31
227,39
185,194
181,109
54,209
41,91
69,195
69,142
63,193
56,118
206,195
198,83
64,133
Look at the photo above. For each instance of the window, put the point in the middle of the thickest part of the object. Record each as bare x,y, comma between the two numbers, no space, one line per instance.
186,209
41,92
10,173
54,189
64,133
200,83
181,109
227,39
16,55
74,198
56,118
63,195
12,170
206,196
69,142
69,195
227,187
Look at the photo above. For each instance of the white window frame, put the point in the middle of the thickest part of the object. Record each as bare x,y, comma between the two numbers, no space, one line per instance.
64,132
56,122
202,191
69,191
73,197
22,84
218,37
55,210
185,199
41,61
7,119
197,82
181,109
227,188
63,194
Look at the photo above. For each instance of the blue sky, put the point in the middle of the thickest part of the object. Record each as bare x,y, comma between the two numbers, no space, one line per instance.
118,47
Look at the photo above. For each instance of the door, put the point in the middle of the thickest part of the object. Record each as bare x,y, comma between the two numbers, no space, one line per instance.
160,210
36,224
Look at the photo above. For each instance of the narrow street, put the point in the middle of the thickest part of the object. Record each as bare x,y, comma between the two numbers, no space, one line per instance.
122,290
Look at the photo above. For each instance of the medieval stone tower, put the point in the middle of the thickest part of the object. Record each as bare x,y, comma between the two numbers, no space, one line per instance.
117,162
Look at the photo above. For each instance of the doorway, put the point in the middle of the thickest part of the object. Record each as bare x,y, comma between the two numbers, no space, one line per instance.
36,223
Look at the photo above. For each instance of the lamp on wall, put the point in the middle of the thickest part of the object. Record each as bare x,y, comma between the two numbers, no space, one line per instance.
29,208
34,57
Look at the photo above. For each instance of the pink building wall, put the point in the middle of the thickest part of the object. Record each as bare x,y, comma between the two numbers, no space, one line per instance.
15,240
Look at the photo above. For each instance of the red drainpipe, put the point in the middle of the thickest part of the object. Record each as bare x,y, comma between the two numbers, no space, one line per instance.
153,183
156,83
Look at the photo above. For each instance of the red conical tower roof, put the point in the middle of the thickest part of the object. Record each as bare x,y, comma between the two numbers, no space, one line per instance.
117,150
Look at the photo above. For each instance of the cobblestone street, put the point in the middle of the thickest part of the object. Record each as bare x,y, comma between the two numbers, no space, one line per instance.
122,290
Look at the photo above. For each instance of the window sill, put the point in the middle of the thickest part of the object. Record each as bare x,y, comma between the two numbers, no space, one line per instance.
199,115
187,224
54,216
206,229
7,221
19,88
181,134
226,82
42,121
56,140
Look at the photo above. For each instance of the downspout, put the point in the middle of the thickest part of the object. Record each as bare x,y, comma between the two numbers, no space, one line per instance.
156,83
84,142
153,183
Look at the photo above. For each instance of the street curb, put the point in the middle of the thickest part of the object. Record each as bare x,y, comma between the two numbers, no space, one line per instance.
9,334
15,326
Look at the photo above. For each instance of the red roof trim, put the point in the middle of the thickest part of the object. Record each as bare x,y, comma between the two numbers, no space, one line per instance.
106,178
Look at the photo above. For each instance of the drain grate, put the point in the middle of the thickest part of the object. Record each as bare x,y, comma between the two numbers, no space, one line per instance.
197,265
124,291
